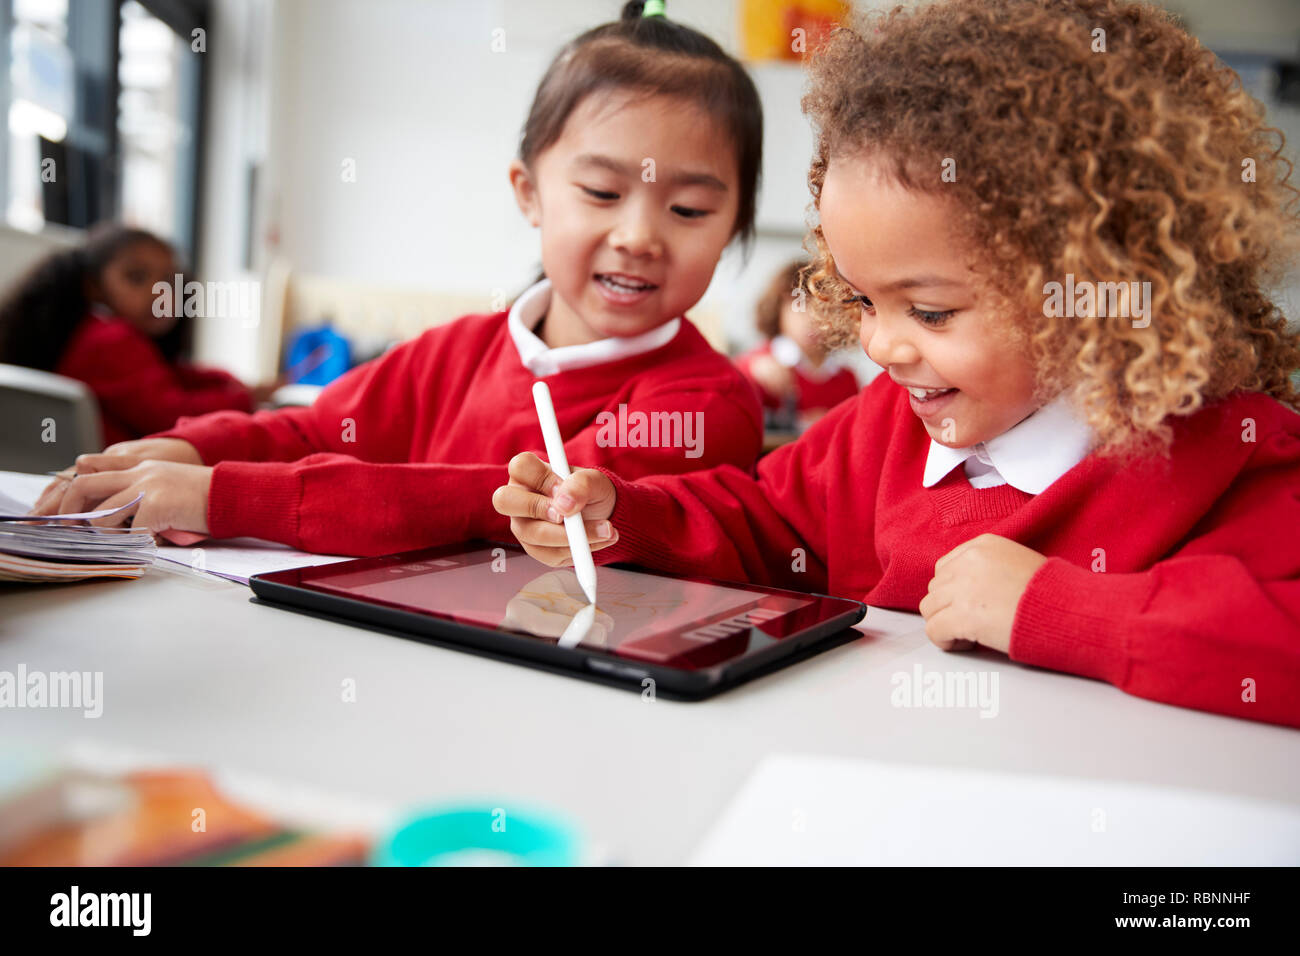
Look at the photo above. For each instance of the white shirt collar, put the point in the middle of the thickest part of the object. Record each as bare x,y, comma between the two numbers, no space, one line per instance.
787,351
542,360
1029,456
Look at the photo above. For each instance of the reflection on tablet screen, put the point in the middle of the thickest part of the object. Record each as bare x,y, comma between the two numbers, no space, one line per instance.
645,616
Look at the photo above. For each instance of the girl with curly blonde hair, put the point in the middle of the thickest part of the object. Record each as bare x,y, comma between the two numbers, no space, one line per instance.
1054,223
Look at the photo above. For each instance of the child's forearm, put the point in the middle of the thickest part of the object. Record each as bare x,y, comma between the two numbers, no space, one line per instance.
336,504
355,415
720,523
281,435
1198,631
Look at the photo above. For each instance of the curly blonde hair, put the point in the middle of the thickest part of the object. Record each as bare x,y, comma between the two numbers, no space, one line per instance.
1117,166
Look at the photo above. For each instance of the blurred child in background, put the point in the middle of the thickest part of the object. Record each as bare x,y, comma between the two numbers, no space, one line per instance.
88,313
797,377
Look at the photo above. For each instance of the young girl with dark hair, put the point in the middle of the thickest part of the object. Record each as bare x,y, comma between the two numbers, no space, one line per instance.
639,163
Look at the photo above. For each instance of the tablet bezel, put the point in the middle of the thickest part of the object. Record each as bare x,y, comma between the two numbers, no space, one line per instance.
825,622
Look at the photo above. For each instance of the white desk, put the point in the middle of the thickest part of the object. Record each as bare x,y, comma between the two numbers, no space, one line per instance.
194,670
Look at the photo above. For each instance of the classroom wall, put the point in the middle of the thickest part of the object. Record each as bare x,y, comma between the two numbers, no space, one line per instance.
242,48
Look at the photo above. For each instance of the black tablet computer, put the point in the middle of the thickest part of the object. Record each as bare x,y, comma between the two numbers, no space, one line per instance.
684,638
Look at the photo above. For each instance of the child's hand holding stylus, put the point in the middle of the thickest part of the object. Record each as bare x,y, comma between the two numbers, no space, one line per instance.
536,502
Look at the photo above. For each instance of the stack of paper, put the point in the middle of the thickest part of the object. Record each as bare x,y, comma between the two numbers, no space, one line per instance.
235,559
65,548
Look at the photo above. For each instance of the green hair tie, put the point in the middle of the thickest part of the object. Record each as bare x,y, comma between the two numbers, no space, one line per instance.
654,8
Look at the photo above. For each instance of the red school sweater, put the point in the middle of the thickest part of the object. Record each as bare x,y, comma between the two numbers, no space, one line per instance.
812,393
138,390
1199,601
405,451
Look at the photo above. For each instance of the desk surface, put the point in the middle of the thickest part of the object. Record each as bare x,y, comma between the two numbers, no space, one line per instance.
194,670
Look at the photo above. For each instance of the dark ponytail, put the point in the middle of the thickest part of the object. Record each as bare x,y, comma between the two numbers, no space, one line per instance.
40,313
658,32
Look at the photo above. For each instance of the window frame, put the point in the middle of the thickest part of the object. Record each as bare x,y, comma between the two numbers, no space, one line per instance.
93,37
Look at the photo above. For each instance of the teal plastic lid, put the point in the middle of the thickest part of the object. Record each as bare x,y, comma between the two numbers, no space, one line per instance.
478,836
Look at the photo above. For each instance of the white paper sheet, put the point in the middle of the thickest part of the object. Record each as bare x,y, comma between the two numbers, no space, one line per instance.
12,506
19,490
815,810
238,559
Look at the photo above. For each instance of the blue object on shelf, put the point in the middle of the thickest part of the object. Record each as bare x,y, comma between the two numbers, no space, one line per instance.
462,835
317,356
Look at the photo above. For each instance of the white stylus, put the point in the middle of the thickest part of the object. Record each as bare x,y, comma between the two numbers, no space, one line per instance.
583,566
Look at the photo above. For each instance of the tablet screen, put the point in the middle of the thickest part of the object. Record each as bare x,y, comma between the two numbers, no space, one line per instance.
647,617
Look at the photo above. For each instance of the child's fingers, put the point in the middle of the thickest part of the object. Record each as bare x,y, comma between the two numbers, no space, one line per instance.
944,629
958,644
587,491
85,491
936,600
125,496
91,463
531,534
48,502
531,472
515,501
525,531
545,534
552,557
